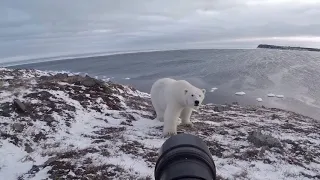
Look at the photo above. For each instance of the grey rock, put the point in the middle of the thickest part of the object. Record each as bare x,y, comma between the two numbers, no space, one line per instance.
275,116
50,160
19,105
221,108
235,103
74,79
28,148
100,82
5,114
18,127
216,109
5,109
223,132
259,140
88,81
262,151
48,118
61,76
57,77
250,153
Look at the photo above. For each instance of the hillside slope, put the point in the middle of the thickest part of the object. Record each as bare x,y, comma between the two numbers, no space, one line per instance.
66,126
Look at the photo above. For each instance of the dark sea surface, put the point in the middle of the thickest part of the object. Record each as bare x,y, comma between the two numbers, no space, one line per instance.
257,72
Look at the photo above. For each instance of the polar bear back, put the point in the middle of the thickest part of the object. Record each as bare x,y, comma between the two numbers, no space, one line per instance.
159,91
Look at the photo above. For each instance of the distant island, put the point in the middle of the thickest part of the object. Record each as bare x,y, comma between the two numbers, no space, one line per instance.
267,46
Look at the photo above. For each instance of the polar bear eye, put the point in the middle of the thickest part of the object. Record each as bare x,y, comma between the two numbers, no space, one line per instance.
192,95
199,95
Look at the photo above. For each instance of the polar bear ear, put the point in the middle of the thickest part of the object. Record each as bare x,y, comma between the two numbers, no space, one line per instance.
185,91
204,91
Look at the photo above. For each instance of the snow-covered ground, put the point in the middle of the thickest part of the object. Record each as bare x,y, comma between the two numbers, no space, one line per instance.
67,126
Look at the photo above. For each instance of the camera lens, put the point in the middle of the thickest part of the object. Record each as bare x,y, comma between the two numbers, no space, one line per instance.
185,157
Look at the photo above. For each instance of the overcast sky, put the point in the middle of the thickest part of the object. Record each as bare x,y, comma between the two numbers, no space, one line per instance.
49,27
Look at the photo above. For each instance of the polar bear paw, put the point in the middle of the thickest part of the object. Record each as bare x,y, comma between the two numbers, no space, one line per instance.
168,134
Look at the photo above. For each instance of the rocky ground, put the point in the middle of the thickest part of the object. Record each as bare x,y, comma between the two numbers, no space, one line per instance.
67,126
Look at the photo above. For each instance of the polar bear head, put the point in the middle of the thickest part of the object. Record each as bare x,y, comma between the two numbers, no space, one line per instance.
194,97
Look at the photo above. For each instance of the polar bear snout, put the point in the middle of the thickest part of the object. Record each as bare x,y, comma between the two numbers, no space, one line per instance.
196,103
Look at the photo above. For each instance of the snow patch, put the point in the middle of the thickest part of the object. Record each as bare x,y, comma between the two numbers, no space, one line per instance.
42,174
259,99
213,89
7,77
4,84
280,96
240,93
271,95
12,161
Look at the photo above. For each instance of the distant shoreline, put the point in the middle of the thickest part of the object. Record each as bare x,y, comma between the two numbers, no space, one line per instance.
267,46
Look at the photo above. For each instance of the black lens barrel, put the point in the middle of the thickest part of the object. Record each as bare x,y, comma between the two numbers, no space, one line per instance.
185,157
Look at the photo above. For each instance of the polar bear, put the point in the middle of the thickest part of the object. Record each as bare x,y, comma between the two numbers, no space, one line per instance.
172,99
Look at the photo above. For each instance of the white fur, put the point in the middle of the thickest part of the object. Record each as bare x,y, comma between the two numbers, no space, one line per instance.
172,99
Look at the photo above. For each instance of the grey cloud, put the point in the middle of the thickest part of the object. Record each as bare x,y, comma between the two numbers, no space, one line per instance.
102,25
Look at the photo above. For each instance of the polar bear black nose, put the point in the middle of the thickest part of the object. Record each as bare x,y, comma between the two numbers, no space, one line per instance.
196,103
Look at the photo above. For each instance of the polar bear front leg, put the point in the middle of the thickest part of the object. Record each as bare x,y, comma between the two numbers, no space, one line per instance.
185,117
159,111
160,114
171,116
